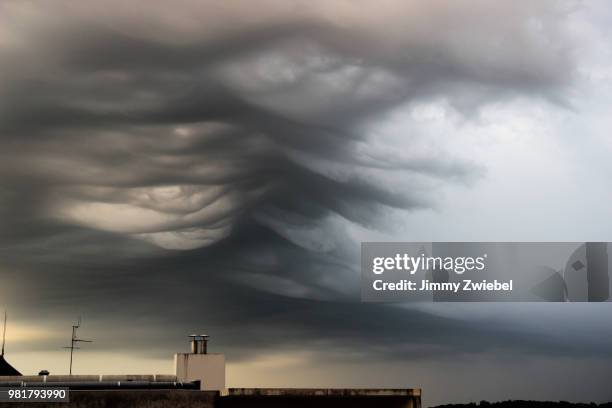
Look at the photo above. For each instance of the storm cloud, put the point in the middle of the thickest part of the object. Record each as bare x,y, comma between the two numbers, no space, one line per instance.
175,127
214,164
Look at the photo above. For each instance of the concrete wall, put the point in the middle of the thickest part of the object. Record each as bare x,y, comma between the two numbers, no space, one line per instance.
207,368
128,399
254,398
325,392
316,402
320,398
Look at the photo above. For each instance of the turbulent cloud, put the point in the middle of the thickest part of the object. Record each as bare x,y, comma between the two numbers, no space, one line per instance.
254,138
174,127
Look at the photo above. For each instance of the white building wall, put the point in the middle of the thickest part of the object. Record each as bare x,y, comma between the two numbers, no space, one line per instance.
209,369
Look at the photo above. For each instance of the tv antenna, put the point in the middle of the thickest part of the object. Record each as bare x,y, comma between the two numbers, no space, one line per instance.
3,335
74,340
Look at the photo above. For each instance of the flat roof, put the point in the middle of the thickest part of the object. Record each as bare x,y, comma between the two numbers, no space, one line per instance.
91,378
324,392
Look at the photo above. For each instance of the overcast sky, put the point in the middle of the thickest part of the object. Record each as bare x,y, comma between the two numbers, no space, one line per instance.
212,167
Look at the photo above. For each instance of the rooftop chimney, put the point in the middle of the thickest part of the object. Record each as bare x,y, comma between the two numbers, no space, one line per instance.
194,343
203,344
199,343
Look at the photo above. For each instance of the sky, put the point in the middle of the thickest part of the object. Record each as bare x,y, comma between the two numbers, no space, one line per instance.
199,166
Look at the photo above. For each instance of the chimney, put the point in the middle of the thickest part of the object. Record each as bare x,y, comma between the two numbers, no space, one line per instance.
203,349
199,343
194,343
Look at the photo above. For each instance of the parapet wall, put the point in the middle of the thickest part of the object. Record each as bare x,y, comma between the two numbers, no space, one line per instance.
101,382
320,398
88,378
324,392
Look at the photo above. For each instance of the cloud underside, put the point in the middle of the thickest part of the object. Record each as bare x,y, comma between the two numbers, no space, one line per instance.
239,134
175,132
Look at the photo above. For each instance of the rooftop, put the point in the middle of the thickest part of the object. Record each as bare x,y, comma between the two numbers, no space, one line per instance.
6,368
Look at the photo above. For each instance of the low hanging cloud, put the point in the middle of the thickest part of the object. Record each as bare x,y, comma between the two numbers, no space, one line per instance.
174,127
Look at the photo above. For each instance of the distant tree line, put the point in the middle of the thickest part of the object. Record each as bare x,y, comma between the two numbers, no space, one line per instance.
527,404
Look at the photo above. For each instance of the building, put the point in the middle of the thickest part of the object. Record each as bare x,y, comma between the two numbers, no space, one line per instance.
199,365
6,368
199,382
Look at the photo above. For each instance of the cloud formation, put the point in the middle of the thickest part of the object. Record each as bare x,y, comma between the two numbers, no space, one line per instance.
174,127
205,162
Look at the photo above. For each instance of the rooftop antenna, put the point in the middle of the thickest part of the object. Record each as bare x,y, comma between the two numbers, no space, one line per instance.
75,340
3,335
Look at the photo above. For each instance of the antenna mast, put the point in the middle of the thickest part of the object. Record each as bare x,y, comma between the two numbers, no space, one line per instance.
3,335
74,339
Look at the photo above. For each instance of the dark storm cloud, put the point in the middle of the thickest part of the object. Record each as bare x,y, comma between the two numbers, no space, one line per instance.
237,135
219,119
